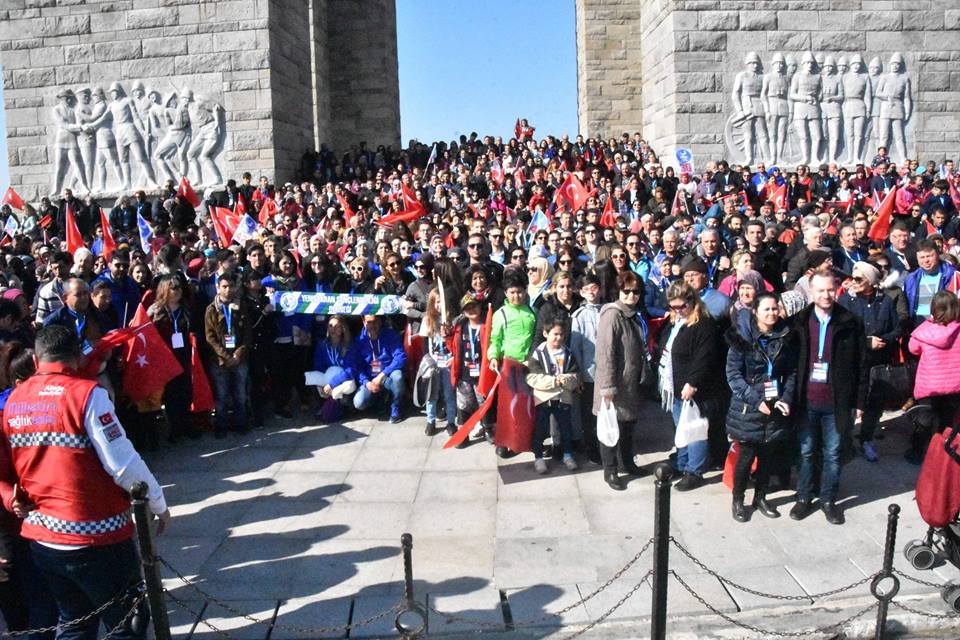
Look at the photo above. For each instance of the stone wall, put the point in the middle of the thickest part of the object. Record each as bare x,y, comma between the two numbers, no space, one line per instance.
266,86
609,69
693,50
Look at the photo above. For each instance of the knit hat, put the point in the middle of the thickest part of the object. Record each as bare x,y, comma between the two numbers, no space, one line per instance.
868,271
693,263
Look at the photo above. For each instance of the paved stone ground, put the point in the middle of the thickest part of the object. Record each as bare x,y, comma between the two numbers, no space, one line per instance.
302,523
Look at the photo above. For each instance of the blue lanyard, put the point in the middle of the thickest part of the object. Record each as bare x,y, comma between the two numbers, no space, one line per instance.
823,336
474,336
333,354
228,315
175,316
643,328
374,351
80,322
763,345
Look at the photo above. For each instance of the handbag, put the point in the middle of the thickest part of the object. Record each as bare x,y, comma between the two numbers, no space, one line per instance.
692,426
893,383
423,383
608,429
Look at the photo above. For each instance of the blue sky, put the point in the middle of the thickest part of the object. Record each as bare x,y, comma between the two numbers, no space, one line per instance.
474,66
478,66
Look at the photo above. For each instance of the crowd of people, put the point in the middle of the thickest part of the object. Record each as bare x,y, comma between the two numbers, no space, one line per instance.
789,283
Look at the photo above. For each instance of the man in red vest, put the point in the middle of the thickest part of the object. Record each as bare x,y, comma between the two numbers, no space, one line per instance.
73,465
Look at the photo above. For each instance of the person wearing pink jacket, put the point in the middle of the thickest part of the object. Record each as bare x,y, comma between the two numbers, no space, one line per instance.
937,388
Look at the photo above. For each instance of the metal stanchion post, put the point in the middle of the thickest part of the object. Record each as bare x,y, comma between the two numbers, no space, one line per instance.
886,573
661,552
409,626
148,560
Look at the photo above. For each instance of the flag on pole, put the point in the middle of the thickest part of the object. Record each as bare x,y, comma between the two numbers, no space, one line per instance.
149,363
245,230
239,208
496,172
146,234
186,192
267,210
109,244
11,198
11,227
433,155
348,213
412,209
881,224
608,218
537,222
780,198
574,192
74,238
517,129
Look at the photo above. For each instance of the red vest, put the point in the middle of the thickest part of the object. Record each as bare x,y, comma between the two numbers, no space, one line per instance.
77,501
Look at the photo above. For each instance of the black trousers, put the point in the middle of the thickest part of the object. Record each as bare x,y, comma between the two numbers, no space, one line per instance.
619,457
750,451
588,422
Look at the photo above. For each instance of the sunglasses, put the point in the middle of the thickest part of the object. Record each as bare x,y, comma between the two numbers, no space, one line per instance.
474,246
630,292
591,232
393,264
531,269
859,279
421,267
632,244
517,257
495,235
567,261
678,307
618,256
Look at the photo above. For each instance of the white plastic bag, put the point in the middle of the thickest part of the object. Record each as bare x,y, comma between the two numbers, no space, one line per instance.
692,426
608,430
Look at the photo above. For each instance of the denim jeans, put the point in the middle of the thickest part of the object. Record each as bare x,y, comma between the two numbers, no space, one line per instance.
541,431
392,384
691,459
818,432
82,580
230,387
442,386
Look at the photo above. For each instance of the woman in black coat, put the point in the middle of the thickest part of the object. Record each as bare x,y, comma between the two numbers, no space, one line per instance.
762,374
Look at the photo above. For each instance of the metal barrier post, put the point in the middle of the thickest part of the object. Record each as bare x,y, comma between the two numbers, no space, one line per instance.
661,552
886,573
409,626
151,571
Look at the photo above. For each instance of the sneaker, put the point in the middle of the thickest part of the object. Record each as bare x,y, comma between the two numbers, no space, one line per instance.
869,452
688,482
570,463
540,466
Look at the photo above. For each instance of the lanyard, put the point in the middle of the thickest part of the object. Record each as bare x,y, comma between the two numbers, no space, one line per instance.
175,316
643,328
374,351
333,354
228,315
80,322
823,336
474,336
763,345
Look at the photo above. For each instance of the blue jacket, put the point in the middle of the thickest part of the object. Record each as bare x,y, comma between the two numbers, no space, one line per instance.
326,356
125,297
390,353
911,285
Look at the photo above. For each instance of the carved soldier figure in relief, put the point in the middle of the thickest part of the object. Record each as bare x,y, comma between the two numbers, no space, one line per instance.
138,93
857,102
106,142
126,129
831,100
806,92
86,138
874,70
747,87
896,106
176,140
775,94
67,147
205,131
791,129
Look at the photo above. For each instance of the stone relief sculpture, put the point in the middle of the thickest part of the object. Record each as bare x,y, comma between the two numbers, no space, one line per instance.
138,137
828,109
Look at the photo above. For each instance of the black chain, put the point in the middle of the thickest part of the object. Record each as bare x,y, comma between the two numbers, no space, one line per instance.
926,614
771,596
616,606
551,616
285,627
771,632
196,616
79,621
920,581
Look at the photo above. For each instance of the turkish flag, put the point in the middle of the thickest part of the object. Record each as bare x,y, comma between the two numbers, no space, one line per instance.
518,178
46,221
780,198
202,394
881,224
574,192
487,376
148,363
608,218
267,210
412,209
239,208
348,213
225,222
186,192
102,350
74,239
410,202
516,415
463,432
496,172
517,129
109,244
11,198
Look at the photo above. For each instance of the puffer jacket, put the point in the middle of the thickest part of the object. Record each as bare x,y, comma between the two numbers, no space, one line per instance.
939,352
747,366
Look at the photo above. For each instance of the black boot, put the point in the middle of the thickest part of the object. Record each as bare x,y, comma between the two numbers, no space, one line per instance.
612,479
760,504
740,513
430,429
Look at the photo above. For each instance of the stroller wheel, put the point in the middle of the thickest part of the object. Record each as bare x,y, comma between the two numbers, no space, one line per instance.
921,556
951,595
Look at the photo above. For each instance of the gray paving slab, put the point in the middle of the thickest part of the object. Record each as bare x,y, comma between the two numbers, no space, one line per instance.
300,618
476,458
517,481
365,607
183,616
438,559
380,486
236,626
326,458
541,606
681,602
368,520
524,562
390,459
449,486
302,485
481,607
541,518
400,436
815,580
637,605
186,554
453,520
773,580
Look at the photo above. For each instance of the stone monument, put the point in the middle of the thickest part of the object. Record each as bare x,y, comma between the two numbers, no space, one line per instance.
111,96
773,81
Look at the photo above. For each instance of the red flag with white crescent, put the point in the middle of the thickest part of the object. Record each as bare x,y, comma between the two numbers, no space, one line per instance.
148,363
515,408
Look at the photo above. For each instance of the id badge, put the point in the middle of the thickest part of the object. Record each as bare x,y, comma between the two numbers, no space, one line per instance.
770,390
86,348
443,361
176,340
474,370
375,367
230,342
819,372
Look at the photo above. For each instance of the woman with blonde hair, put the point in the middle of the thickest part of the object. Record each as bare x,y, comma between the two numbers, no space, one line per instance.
540,277
437,328
689,372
